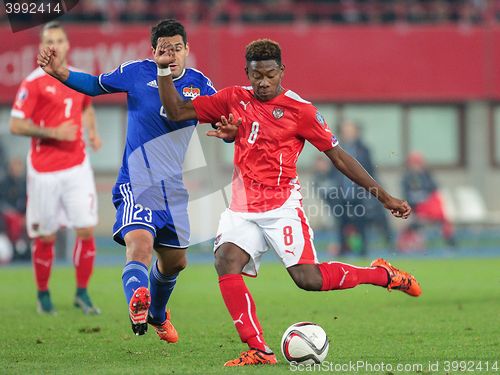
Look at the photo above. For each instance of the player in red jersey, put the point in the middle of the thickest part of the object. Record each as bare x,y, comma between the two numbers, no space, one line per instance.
61,189
266,206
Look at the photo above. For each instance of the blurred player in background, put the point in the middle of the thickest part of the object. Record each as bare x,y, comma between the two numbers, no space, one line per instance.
61,188
149,195
266,206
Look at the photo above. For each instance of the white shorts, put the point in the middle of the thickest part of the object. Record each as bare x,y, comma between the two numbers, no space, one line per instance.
62,198
284,229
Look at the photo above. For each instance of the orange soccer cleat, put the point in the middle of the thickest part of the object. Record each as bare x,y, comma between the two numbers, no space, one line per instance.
138,310
399,280
166,330
252,357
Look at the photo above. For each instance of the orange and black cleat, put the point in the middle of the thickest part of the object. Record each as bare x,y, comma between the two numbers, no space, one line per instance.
166,330
399,280
138,310
252,357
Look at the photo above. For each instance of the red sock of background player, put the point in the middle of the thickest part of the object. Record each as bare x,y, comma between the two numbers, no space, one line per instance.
241,306
338,275
83,259
43,257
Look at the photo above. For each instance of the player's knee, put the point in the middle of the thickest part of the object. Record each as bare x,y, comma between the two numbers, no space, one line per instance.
178,266
139,248
230,261
48,239
85,233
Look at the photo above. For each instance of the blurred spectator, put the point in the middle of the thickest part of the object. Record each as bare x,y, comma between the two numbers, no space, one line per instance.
421,192
222,12
416,12
355,208
288,11
13,206
137,11
3,162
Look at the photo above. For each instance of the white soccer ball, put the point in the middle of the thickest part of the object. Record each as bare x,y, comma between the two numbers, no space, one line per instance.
305,342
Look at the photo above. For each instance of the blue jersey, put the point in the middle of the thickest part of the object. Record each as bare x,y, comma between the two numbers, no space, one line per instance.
149,188
147,119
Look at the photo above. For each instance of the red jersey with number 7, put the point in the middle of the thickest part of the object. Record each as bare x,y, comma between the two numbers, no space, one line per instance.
269,142
48,103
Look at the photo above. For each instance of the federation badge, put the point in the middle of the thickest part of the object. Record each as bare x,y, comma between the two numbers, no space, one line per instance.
278,113
191,92
21,97
320,118
335,142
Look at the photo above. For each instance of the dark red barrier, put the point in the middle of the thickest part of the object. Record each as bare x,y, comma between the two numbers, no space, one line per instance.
323,63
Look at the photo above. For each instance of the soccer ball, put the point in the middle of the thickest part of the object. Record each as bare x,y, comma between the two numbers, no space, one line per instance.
305,342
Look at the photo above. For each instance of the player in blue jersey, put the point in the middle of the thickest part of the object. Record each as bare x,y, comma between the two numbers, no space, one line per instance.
149,195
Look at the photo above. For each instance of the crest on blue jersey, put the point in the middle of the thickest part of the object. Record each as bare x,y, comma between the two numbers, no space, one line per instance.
191,92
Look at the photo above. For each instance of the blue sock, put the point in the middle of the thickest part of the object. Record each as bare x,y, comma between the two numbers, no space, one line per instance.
161,289
135,275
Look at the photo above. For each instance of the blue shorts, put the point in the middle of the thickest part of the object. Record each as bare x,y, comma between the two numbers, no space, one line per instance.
165,218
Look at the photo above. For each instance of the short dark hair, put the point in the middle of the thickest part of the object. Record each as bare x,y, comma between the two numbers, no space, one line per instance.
51,25
263,49
168,27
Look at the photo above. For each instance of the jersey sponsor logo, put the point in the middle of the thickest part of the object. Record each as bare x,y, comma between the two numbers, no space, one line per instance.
343,277
290,252
51,89
239,320
132,279
21,97
244,105
153,84
45,263
191,91
278,113
217,239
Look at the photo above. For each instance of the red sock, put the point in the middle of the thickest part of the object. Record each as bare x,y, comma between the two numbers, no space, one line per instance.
43,256
241,306
338,275
83,259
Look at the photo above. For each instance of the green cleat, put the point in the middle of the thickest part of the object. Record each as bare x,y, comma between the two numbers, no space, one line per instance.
83,301
44,303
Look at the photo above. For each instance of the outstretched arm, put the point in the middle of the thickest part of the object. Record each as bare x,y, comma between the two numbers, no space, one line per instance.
82,82
350,167
66,131
177,109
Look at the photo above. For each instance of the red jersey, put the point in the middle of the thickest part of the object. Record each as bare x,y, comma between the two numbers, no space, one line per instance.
269,142
48,103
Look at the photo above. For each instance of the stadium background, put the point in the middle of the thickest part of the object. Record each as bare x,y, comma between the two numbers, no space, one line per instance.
417,74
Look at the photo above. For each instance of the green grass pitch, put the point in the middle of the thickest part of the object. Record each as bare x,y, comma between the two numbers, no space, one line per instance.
457,318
